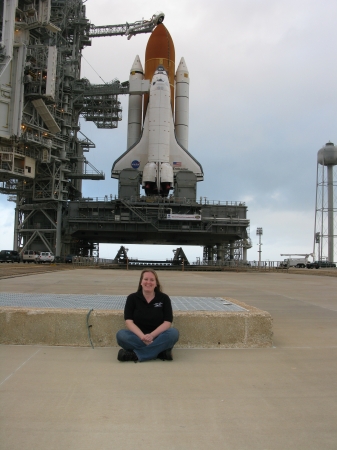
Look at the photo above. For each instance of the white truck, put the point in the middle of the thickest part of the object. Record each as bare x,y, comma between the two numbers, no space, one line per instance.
294,262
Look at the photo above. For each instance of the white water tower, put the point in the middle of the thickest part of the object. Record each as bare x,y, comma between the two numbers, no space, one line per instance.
325,237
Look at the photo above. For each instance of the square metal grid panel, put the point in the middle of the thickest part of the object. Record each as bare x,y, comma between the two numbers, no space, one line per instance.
116,302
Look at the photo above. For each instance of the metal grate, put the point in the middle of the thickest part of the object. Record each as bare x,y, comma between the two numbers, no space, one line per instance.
116,302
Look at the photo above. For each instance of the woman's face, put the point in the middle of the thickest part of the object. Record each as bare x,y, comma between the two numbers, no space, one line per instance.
148,282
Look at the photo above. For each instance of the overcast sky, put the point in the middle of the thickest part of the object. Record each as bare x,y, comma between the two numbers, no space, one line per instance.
262,103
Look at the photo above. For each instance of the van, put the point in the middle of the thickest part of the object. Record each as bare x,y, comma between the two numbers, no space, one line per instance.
9,256
30,256
45,257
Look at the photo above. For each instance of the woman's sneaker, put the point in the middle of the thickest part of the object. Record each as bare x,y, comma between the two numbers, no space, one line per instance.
126,355
165,355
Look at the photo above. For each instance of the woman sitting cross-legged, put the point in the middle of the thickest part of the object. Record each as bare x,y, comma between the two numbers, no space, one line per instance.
148,318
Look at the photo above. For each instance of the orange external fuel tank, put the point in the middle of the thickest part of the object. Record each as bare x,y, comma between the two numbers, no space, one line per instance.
160,50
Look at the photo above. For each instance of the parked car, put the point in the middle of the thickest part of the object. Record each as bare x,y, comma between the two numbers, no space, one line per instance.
9,256
30,256
69,258
318,264
45,257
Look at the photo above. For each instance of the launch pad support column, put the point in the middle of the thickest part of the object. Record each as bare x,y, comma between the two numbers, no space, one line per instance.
244,254
219,249
231,250
59,230
210,254
16,244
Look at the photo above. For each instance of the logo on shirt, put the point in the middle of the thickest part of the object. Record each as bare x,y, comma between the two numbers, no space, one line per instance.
158,305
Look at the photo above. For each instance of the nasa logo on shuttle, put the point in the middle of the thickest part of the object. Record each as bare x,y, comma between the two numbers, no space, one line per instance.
135,164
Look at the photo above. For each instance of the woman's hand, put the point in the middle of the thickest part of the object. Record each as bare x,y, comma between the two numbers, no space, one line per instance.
147,339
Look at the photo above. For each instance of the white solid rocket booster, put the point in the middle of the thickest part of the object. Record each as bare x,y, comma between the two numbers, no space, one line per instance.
135,105
182,103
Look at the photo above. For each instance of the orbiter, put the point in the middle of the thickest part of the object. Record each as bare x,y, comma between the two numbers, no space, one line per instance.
157,145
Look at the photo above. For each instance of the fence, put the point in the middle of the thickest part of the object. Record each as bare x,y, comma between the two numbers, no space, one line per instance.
263,266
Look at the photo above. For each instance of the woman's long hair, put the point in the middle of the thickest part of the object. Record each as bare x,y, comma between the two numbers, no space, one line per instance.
158,288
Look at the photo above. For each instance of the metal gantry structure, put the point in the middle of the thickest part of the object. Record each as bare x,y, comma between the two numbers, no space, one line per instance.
43,151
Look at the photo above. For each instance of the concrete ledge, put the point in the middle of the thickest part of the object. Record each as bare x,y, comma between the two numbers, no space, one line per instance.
198,329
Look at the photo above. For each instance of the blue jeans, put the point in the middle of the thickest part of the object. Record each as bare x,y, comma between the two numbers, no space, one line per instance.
165,340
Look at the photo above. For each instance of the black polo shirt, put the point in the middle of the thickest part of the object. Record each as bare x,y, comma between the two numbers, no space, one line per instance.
148,316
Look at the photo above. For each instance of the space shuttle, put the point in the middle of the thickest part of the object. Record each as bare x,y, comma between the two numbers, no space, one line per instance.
158,119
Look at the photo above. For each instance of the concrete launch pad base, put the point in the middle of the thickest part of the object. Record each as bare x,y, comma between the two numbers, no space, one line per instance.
250,327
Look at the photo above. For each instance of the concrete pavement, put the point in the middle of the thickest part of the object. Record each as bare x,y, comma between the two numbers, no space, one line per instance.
284,397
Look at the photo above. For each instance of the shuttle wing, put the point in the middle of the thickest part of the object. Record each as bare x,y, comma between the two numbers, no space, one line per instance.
136,156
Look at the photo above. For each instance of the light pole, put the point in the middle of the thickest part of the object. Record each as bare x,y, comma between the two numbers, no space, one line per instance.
259,232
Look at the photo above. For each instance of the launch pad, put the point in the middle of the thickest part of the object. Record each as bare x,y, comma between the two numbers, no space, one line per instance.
42,150
168,222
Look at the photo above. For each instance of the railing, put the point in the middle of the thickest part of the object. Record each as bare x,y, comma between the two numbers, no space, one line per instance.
8,167
249,265
168,200
18,170
255,265
6,149
230,265
90,261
